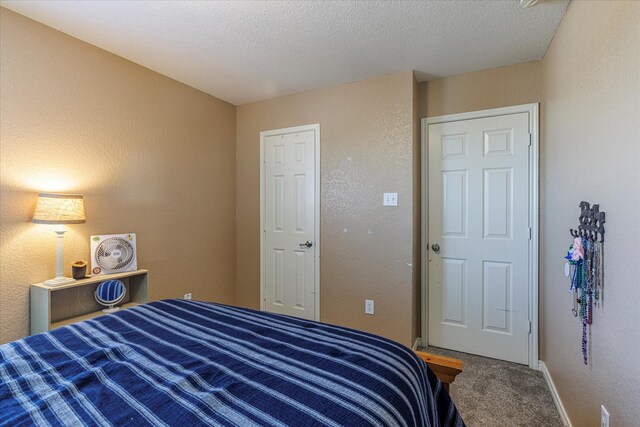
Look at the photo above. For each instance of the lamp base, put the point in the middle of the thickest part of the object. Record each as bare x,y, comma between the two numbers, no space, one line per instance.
111,309
59,281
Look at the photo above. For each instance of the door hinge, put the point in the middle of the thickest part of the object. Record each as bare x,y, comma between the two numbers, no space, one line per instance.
530,233
529,327
530,138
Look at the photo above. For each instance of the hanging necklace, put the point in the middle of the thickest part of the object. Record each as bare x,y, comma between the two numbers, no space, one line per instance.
585,268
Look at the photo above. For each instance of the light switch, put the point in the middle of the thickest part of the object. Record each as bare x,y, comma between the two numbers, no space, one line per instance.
390,199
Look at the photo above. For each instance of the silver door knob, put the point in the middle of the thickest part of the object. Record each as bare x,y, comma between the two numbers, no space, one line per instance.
306,244
435,247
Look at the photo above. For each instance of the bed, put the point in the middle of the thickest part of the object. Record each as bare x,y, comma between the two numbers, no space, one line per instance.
189,363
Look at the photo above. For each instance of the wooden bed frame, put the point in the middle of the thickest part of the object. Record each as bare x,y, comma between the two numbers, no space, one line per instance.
446,368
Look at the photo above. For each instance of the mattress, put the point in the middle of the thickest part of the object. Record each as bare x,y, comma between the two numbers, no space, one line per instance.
190,363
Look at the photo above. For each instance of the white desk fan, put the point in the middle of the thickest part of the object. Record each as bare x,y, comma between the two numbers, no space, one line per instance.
113,253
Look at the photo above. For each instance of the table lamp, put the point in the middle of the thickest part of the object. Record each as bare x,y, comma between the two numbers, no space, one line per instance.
59,209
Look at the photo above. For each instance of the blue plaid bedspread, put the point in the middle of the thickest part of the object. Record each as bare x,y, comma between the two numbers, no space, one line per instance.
190,363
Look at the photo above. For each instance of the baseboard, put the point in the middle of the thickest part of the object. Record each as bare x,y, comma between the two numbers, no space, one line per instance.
417,344
554,392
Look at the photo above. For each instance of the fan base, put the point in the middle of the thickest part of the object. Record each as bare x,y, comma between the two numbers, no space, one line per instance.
111,309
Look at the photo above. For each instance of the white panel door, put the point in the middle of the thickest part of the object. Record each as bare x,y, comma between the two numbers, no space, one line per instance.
290,223
478,249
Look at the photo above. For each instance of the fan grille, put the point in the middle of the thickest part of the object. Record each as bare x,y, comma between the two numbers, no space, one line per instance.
110,292
115,253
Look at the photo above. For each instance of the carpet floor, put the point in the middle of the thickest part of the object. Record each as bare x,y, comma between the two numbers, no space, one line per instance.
496,393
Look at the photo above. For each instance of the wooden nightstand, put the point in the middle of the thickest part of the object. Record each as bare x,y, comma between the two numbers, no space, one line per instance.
53,307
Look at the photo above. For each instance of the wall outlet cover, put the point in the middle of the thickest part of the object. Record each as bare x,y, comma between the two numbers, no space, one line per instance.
604,416
369,306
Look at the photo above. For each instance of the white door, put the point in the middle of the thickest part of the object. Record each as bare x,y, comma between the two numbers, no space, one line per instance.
289,263
478,249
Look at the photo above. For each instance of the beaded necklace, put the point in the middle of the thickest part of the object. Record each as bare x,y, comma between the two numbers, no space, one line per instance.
585,268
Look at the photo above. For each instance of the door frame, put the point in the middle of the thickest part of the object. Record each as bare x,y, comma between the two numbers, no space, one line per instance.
533,111
263,135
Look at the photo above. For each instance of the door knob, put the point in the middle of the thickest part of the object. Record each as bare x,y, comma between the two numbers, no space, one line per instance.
435,247
306,244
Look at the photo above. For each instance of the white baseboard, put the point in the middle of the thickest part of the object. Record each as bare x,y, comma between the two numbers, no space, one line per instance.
416,345
554,392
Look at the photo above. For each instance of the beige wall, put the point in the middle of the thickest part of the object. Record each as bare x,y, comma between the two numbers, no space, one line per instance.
417,220
366,149
498,87
591,75
151,156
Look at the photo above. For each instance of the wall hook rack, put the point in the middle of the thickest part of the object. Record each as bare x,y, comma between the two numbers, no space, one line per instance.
591,223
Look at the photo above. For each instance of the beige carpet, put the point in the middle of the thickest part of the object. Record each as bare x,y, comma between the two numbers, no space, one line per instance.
496,393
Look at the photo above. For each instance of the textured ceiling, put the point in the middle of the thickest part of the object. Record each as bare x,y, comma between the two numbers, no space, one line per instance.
252,50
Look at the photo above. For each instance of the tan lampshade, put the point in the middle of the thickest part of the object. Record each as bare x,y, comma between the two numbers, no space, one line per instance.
59,209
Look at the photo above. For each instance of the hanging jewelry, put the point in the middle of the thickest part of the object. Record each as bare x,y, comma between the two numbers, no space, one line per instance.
585,269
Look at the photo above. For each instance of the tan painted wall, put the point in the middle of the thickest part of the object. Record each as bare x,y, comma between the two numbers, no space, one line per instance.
417,220
151,156
366,149
591,75
498,87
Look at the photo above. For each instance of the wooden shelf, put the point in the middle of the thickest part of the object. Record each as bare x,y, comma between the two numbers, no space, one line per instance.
56,306
88,316
91,279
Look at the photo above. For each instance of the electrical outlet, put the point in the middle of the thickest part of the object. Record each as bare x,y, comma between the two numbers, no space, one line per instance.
369,307
187,296
604,417
390,199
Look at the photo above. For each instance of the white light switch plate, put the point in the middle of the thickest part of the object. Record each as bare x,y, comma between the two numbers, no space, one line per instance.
390,199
